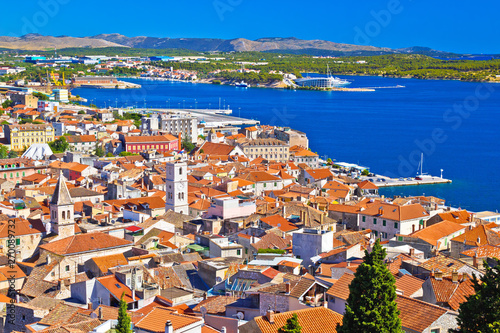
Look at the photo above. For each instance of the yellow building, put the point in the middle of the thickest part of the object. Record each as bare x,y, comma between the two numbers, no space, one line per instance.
23,136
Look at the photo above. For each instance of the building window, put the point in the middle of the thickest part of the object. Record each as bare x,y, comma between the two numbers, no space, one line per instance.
66,268
384,223
374,221
18,241
364,218
69,215
238,252
396,225
63,215
436,330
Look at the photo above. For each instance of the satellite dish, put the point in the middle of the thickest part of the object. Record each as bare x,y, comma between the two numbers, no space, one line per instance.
279,225
218,279
240,315
188,250
203,311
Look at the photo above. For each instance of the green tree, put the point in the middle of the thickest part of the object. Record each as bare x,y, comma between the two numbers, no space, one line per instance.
123,325
127,153
110,155
12,154
7,104
187,144
365,172
481,312
371,305
3,152
60,145
291,326
99,151
81,112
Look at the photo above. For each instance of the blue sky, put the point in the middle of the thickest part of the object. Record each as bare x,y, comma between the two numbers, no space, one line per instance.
458,26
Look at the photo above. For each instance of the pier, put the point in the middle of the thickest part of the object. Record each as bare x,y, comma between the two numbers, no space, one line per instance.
209,116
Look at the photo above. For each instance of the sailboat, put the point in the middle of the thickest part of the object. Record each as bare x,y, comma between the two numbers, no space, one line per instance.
422,175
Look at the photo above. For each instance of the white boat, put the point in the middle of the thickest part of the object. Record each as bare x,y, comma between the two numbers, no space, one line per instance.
242,84
322,82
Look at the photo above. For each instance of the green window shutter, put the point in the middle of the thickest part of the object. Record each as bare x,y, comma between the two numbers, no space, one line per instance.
364,219
18,241
395,225
400,238
421,222
374,221
384,223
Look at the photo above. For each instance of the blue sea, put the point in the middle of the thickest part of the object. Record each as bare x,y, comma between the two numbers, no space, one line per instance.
454,124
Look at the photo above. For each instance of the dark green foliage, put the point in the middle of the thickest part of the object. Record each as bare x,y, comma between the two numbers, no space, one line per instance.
365,172
59,146
41,96
126,153
278,251
123,325
291,326
7,103
99,151
187,144
481,312
371,306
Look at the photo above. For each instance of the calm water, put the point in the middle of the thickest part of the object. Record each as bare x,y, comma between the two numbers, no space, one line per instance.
455,124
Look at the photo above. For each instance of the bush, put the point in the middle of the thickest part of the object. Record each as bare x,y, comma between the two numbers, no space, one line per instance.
277,251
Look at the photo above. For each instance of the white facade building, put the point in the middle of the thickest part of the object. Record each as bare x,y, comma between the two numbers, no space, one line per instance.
177,188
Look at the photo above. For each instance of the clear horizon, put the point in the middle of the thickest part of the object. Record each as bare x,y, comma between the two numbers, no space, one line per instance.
460,27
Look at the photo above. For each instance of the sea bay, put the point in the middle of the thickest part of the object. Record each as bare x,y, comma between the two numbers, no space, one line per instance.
454,124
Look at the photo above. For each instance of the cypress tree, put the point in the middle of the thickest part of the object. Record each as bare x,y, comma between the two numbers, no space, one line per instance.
481,312
371,305
123,325
291,326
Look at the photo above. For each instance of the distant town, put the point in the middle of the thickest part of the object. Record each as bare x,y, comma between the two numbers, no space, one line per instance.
194,220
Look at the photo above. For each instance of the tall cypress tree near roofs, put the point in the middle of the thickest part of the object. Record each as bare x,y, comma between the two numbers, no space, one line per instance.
481,311
292,325
371,305
123,325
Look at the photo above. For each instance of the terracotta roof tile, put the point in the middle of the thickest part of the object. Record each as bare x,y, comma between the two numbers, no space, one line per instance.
312,320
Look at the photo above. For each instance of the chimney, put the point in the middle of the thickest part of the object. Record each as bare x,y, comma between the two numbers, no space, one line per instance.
89,306
438,275
322,218
269,316
478,240
133,294
284,210
288,288
412,252
454,277
431,274
180,141
474,261
168,327
348,263
223,329
380,210
100,313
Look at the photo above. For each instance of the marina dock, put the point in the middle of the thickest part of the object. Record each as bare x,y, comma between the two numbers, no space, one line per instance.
392,182
209,116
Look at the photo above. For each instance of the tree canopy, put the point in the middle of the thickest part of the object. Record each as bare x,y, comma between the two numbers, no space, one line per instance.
123,325
481,312
371,305
292,325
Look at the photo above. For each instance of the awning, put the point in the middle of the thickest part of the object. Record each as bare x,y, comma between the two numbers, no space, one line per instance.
133,228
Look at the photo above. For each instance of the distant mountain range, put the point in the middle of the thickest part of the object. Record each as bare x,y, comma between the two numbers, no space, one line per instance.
272,44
